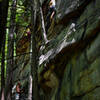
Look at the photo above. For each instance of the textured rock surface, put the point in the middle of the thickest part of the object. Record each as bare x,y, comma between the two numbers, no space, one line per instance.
76,53
69,63
81,74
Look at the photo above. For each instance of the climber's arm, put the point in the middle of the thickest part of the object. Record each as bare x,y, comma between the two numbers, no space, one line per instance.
52,14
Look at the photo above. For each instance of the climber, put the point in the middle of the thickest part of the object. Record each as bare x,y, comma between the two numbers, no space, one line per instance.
51,13
52,7
18,91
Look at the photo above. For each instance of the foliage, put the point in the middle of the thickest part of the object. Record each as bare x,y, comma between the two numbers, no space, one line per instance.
22,20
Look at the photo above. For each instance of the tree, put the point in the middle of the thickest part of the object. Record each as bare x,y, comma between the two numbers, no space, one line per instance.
3,71
34,55
3,21
10,62
30,88
42,22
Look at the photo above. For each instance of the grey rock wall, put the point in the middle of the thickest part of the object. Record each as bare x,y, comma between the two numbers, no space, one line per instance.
70,63
81,79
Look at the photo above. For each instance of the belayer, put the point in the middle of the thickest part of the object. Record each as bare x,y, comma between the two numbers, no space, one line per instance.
18,91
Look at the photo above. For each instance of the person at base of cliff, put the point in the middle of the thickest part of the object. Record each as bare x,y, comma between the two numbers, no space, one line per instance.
18,91
51,13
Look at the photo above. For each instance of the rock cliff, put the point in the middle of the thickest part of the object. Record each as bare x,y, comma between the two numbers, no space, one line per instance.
69,63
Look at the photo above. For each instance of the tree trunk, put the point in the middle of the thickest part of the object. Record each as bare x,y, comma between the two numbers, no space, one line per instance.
10,62
42,22
3,19
30,88
3,70
34,55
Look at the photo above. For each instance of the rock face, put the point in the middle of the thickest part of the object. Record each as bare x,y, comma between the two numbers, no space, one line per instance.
79,60
75,56
69,65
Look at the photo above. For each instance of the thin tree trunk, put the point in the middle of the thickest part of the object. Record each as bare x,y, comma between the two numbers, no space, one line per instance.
10,62
30,88
3,70
3,19
34,55
42,23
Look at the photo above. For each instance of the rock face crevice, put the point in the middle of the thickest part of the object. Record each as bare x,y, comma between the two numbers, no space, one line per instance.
86,93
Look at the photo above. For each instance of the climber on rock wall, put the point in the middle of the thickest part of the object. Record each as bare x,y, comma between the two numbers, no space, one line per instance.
51,13
52,5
